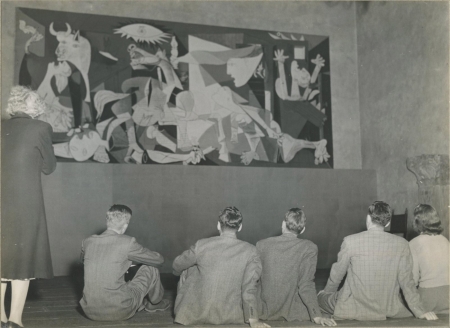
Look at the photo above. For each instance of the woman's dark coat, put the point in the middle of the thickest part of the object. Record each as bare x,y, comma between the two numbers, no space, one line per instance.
26,152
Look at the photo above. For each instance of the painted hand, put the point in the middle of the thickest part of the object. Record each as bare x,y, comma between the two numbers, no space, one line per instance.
279,56
319,61
195,156
429,316
247,157
321,155
324,321
36,37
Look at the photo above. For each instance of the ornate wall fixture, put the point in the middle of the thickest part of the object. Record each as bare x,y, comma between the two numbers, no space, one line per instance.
432,173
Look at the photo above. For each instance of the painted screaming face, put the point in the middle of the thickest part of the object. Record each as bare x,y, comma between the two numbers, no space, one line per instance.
242,69
301,76
234,68
140,57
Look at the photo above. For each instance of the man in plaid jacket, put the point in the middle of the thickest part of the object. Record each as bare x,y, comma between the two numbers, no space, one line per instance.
377,265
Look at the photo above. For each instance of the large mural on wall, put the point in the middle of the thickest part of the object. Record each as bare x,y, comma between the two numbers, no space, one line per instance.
151,92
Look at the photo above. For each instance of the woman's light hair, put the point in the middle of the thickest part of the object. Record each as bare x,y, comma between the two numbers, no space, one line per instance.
25,100
426,220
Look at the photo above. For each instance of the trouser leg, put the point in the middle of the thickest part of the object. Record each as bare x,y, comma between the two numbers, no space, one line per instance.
435,299
327,301
147,282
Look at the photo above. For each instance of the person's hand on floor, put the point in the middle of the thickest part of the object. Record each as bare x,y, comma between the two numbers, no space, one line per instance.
429,316
325,321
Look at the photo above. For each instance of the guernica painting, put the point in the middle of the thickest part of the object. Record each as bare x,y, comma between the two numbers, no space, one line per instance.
133,91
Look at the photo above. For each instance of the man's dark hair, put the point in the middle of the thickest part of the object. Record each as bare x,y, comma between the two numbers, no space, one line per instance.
230,218
380,212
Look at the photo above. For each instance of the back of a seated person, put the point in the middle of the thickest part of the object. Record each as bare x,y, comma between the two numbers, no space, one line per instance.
288,291
219,259
107,257
219,278
374,275
430,253
376,265
105,263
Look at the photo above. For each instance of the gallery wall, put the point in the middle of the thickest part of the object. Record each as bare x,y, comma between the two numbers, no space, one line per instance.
403,87
174,208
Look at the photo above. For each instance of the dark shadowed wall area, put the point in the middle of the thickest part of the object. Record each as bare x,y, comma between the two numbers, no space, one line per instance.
176,205
403,88
174,208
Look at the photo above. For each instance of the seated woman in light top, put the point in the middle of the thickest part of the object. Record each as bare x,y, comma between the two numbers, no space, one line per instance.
430,252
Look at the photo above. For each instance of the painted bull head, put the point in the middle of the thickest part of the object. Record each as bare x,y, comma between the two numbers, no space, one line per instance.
73,48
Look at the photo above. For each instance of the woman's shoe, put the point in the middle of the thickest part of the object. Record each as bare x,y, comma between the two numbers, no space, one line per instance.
4,325
11,324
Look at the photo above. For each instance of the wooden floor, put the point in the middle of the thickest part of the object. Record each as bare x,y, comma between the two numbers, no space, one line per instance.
54,303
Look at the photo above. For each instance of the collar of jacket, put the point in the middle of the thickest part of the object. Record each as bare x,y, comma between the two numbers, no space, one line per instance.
109,232
289,235
20,115
228,234
375,228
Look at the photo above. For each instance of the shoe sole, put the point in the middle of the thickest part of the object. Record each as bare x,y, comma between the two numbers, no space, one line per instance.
156,310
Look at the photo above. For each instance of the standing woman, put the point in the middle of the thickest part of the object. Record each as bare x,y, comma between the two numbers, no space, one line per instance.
430,252
26,152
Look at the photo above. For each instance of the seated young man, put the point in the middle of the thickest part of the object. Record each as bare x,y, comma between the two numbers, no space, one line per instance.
377,265
107,257
219,277
288,290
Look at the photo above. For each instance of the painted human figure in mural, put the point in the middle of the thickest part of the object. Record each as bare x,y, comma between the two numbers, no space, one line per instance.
301,80
63,83
255,123
246,119
302,105
69,73
241,69
152,96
